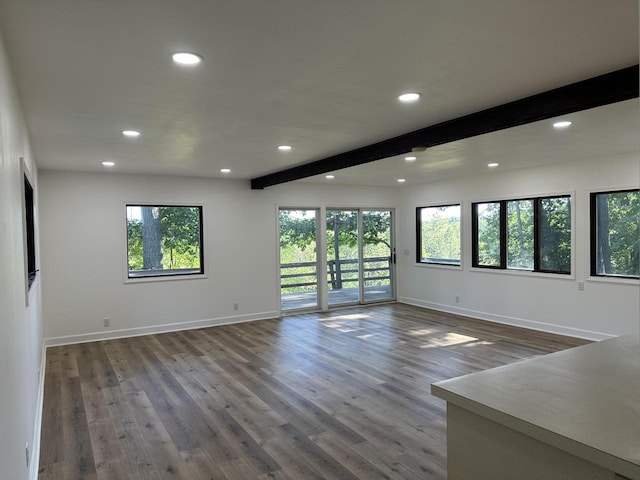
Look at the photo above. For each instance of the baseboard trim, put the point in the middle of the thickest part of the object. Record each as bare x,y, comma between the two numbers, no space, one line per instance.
151,330
505,320
34,462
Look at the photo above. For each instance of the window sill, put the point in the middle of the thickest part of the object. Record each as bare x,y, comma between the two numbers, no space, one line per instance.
438,265
615,280
165,278
524,273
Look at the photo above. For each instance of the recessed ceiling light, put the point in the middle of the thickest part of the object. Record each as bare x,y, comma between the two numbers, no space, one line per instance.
284,148
410,159
225,170
186,58
131,133
562,124
492,165
409,97
329,177
401,180
108,164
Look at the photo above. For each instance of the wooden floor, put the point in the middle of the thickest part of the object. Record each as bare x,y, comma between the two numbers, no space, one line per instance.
342,395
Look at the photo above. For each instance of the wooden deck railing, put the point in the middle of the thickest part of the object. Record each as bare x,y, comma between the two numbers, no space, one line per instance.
338,272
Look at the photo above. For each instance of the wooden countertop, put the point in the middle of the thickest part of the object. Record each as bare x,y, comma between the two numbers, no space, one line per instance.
585,400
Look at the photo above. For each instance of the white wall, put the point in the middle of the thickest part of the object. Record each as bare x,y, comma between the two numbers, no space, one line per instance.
546,302
84,251
20,326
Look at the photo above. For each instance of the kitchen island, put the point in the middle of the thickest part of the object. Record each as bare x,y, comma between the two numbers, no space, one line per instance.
570,415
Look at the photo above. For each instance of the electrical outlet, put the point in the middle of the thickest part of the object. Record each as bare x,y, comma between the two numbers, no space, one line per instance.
106,322
26,448
236,305
581,286
457,299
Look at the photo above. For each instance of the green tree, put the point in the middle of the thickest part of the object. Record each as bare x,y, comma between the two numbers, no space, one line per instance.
489,234
342,244
181,236
296,229
555,234
164,238
151,239
298,233
134,243
520,234
302,231
618,233
440,234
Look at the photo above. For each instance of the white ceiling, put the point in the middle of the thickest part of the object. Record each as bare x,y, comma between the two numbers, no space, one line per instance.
322,76
603,132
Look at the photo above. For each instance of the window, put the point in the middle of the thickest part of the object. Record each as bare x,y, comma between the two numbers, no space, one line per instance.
554,231
164,240
615,234
520,234
532,234
487,227
438,234
29,233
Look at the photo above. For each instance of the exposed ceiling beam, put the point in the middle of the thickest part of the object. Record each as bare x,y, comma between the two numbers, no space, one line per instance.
594,92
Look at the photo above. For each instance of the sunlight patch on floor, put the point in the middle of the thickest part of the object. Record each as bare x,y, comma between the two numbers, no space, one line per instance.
480,342
352,316
421,332
368,335
448,339
343,328
345,323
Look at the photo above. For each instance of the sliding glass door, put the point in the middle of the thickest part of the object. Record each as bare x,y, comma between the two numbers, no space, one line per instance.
359,256
298,259
358,247
377,256
343,257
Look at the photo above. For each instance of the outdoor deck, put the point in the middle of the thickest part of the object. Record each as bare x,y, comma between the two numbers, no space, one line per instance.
297,301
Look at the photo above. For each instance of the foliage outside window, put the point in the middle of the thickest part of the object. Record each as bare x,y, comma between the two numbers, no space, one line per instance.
343,255
520,234
298,255
164,240
532,234
488,233
438,234
298,247
376,248
554,228
615,233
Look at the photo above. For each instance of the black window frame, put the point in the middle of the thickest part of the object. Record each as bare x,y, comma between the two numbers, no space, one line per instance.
169,273
593,235
419,235
503,234
503,218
